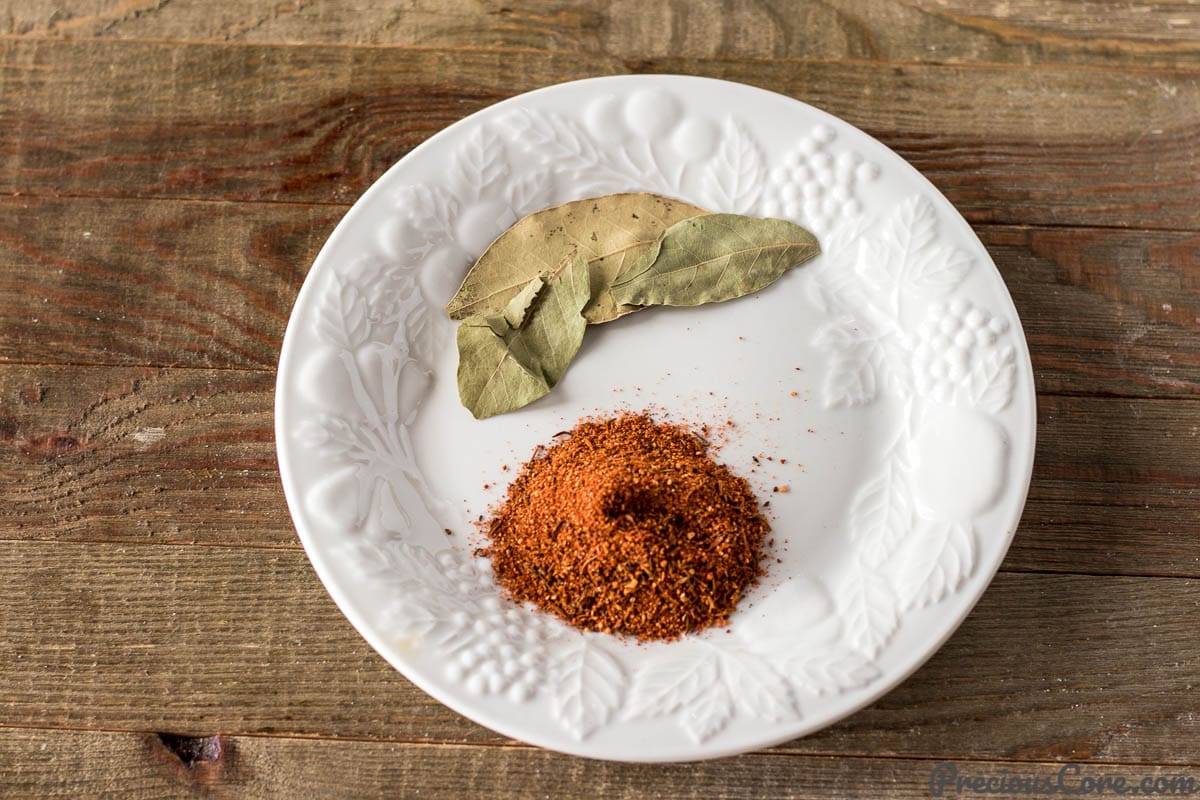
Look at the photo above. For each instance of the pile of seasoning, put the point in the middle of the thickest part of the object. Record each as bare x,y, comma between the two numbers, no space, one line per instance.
627,525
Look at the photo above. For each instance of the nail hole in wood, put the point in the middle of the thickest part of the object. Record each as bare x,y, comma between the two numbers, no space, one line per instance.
192,750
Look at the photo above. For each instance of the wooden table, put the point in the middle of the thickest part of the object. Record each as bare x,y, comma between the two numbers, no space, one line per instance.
168,171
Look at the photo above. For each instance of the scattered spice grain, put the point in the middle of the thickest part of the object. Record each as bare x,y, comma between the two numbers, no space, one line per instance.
628,526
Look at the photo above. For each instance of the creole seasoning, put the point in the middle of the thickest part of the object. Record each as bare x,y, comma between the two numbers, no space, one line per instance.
627,525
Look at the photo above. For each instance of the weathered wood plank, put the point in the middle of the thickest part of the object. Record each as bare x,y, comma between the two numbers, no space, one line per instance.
1038,145
1116,488
132,454
183,456
1105,312
232,640
193,638
72,764
152,283
138,282
1027,31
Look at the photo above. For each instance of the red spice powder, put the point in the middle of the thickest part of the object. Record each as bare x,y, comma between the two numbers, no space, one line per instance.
628,526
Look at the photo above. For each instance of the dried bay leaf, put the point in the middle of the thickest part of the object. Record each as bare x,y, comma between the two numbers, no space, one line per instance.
513,315
527,301
509,359
612,232
603,271
712,258
489,381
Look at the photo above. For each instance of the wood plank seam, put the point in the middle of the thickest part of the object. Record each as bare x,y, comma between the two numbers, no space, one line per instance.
633,62
515,745
977,225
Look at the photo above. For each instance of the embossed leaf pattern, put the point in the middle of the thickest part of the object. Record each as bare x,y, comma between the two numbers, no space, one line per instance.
893,363
407,566
419,586
907,255
876,263
760,690
909,233
708,713
704,690
881,517
869,608
835,284
665,685
327,434
587,687
561,139
430,209
835,289
480,162
990,384
735,178
851,379
423,331
367,448
343,317
833,670
616,167
529,192
939,562
942,268
854,361
417,618
842,242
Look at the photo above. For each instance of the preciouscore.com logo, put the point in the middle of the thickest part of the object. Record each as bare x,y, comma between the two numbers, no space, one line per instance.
946,781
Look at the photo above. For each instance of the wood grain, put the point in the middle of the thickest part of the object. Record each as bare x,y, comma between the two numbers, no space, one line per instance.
1110,491
139,768
1105,312
188,639
134,454
187,456
231,640
1022,32
146,283
1116,488
1038,145
160,283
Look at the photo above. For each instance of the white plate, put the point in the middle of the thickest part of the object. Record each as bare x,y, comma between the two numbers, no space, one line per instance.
909,437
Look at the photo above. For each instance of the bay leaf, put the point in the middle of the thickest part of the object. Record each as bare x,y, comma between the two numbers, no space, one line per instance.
611,231
509,359
513,315
712,258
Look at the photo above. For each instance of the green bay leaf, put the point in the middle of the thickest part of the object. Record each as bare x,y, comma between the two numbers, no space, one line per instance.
611,232
513,314
509,359
711,258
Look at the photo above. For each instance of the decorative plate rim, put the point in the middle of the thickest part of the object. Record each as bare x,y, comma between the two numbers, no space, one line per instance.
508,725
